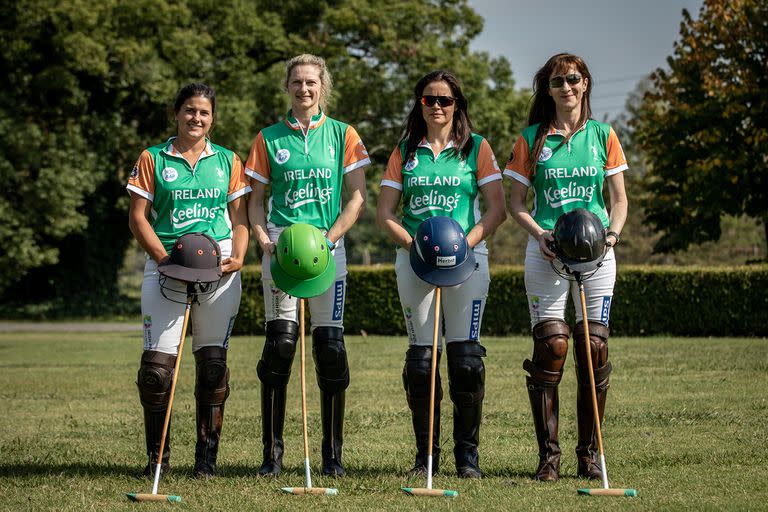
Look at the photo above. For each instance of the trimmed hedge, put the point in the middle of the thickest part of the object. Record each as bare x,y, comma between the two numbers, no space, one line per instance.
647,300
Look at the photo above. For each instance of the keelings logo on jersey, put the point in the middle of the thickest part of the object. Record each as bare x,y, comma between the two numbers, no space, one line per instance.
433,201
411,164
557,197
446,261
282,156
307,194
546,154
170,174
181,217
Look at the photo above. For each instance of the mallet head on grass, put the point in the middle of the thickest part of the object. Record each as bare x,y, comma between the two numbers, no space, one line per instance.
320,491
421,491
608,492
135,496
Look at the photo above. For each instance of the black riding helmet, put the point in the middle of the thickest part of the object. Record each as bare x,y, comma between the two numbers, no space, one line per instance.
579,241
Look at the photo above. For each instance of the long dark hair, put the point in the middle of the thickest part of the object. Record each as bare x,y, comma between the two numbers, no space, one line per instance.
415,128
543,108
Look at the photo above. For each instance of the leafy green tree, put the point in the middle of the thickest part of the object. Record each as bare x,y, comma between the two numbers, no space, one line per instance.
88,85
704,126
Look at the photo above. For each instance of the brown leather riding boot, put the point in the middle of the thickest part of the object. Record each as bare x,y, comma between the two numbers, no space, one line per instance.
154,383
586,448
542,391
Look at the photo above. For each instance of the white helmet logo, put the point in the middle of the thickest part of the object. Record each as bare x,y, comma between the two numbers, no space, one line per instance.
170,174
282,156
546,154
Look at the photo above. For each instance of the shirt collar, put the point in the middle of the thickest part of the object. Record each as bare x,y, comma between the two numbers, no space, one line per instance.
314,122
425,144
555,131
171,149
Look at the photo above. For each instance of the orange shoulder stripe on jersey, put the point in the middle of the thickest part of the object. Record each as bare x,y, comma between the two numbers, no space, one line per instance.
394,170
487,167
238,181
257,165
519,160
355,154
142,177
615,157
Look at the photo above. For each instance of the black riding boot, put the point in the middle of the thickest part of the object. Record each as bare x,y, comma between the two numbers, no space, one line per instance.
211,391
416,380
274,370
272,422
332,412
466,373
154,383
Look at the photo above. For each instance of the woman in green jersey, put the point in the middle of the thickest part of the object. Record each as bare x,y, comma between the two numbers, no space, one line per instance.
566,158
188,185
306,159
441,168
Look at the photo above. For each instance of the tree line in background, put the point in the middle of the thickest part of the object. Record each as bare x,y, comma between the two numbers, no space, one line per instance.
87,86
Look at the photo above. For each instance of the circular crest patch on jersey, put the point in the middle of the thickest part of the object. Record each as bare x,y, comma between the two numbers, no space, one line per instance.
282,156
134,172
546,154
411,164
170,174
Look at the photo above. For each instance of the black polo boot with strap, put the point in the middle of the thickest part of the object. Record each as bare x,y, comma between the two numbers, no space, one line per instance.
211,391
416,381
154,383
274,370
332,371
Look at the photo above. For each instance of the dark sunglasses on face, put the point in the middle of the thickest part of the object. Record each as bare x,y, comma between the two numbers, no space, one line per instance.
443,101
558,81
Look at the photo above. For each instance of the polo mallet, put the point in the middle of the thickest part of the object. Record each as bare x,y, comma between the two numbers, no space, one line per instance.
307,489
133,496
429,491
605,491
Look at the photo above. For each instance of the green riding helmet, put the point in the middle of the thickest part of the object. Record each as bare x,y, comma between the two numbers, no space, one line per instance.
302,265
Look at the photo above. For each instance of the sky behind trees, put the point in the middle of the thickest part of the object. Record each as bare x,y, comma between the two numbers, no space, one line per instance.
621,40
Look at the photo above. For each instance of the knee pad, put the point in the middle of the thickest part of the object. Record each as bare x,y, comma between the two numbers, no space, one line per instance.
274,368
598,341
330,359
466,372
154,379
212,383
416,375
550,345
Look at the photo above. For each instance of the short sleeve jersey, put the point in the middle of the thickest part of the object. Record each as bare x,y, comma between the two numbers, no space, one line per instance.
446,184
188,199
569,176
306,171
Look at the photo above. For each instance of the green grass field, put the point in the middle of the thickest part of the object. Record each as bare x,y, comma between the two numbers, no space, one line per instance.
686,425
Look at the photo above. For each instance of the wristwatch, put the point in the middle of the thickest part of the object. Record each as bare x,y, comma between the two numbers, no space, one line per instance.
615,235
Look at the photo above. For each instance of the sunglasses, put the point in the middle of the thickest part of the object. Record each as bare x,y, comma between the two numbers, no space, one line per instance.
443,101
558,81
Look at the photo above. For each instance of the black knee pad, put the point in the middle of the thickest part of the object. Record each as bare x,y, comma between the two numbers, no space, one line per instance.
416,375
598,341
212,383
154,379
466,372
550,345
330,359
274,368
